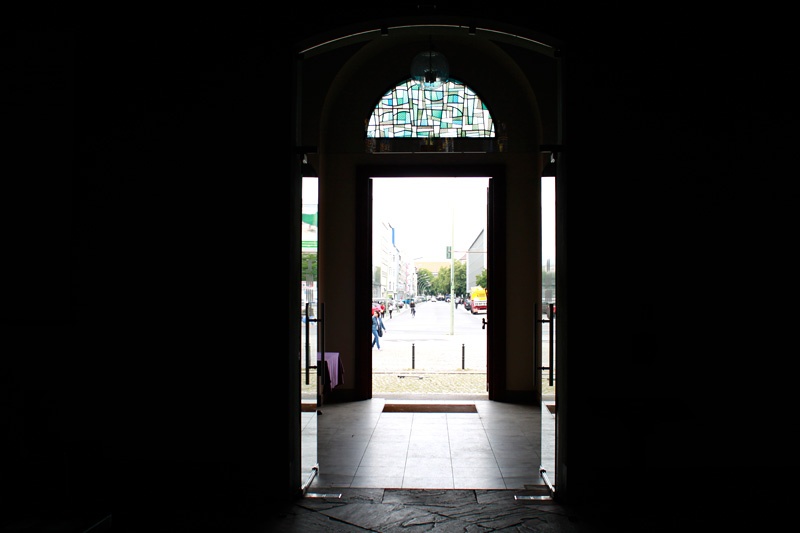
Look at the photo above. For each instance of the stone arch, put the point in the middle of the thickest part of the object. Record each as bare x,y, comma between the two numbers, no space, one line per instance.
382,63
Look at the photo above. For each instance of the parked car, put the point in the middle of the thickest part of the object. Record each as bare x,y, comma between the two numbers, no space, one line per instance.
478,300
467,304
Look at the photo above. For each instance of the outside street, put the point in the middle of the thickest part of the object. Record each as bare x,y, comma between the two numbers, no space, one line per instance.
419,356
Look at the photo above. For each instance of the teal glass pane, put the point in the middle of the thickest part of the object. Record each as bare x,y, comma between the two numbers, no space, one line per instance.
453,110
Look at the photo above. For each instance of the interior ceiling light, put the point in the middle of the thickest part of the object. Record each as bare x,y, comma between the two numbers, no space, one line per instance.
430,68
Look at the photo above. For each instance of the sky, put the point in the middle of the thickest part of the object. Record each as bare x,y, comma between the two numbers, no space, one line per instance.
429,214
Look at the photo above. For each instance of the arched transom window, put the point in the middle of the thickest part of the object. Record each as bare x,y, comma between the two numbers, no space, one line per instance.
410,110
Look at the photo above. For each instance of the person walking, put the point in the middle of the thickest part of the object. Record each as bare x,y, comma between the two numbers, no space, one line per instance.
413,307
377,329
391,308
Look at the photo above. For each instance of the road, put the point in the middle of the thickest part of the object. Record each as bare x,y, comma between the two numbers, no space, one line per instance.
424,343
419,355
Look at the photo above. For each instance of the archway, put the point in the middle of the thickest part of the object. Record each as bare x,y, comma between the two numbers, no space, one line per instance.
345,168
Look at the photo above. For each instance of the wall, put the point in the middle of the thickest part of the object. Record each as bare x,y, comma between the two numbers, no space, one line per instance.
680,134
376,67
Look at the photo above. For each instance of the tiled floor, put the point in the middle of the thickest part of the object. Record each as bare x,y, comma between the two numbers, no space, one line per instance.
502,446
430,471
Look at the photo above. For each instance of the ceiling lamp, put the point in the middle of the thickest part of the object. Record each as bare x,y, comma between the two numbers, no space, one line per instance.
430,68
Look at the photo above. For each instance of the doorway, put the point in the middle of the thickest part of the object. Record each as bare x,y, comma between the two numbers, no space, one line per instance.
428,251
310,309
493,177
356,438
347,170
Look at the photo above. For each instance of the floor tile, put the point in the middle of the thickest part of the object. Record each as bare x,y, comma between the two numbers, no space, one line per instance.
498,448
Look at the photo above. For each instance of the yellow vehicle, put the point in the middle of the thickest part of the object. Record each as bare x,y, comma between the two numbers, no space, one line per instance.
477,300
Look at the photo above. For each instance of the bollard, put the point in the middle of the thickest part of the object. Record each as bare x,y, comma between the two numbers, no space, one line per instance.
412,356
462,357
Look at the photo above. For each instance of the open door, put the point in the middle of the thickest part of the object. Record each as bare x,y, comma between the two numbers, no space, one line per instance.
495,247
429,254
341,459
310,317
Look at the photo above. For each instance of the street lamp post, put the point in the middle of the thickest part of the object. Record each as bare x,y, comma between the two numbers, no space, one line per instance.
452,266
416,276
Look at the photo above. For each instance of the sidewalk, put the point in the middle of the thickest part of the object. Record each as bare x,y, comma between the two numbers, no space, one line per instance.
418,356
438,364
472,383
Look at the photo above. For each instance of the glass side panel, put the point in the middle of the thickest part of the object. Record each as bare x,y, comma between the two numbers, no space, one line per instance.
549,323
308,329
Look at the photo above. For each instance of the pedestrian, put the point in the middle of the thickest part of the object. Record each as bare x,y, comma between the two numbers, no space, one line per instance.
391,308
413,307
377,329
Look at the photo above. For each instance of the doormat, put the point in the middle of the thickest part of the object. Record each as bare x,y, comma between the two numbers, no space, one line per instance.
551,407
306,407
428,408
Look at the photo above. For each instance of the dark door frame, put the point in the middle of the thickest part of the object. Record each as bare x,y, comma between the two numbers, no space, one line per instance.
496,264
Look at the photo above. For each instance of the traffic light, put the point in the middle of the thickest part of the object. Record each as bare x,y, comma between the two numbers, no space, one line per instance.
449,251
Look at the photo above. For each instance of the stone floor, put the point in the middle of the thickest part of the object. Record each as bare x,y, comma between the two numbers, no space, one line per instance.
391,510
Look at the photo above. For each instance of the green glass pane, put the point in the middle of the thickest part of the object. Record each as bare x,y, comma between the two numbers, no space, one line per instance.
409,111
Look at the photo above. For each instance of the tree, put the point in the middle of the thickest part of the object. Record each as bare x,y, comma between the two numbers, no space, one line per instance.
441,284
424,281
460,278
481,280
304,268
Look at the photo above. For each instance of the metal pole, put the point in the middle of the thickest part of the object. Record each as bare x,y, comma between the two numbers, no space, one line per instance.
462,357
322,365
452,265
412,355
552,338
308,347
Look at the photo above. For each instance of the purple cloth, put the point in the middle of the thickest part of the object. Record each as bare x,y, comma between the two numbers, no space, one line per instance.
335,371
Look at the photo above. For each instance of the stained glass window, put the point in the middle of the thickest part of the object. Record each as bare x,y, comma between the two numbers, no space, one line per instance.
451,110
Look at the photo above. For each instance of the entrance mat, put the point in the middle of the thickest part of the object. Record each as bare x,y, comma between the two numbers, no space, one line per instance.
551,408
428,408
306,407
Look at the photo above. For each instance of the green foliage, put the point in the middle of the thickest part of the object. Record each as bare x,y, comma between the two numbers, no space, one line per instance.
425,281
481,280
441,284
460,278
306,259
